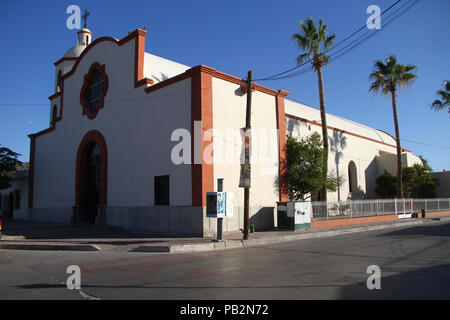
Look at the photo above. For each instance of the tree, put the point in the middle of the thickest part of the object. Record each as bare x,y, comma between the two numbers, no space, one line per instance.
315,42
304,166
444,95
388,78
386,186
417,183
8,164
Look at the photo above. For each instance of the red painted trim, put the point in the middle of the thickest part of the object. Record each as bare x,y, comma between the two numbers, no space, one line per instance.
168,82
132,35
139,79
84,104
243,84
84,31
80,183
42,132
282,156
216,74
340,130
65,59
183,76
139,65
54,96
201,110
31,171
403,149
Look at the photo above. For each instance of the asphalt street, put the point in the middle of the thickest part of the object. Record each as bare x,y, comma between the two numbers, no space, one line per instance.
414,263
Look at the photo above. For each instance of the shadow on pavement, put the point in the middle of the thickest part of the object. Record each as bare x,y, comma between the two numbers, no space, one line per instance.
425,283
40,230
440,230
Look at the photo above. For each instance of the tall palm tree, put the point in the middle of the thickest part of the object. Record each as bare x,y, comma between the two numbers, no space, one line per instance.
445,98
315,42
387,78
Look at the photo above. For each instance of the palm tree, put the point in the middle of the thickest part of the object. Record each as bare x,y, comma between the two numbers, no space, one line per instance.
445,98
315,42
388,78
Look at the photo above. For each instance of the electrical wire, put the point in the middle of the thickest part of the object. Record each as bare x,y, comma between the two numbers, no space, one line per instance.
350,46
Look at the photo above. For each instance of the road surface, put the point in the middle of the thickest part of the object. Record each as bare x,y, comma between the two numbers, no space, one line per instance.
414,264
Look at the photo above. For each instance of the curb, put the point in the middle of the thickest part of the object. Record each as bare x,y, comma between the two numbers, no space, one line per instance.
226,244
232,244
48,247
323,234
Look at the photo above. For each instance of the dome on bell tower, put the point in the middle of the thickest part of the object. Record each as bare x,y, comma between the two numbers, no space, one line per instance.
84,39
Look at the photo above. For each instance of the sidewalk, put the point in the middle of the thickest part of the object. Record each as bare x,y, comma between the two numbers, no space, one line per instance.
26,235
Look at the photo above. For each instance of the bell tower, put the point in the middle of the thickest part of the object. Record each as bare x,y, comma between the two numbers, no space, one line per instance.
84,35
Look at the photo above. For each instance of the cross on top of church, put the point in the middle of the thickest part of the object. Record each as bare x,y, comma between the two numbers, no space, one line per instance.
85,16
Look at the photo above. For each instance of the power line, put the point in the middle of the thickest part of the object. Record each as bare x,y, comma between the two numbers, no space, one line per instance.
403,11
350,46
336,45
364,27
77,104
426,144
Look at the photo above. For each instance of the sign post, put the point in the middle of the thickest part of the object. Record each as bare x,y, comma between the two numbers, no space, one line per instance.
221,208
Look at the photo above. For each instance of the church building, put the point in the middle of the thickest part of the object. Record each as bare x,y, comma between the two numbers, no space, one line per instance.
136,141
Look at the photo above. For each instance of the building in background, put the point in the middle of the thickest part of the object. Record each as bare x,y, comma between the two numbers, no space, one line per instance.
136,141
443,183
14,200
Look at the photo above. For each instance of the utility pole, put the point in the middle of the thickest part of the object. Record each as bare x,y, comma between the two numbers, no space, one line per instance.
247,157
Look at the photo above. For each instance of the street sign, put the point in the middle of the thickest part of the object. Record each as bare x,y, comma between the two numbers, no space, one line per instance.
245,174
219,204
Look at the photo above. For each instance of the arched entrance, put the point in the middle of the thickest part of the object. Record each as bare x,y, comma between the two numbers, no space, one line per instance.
352,177
91,177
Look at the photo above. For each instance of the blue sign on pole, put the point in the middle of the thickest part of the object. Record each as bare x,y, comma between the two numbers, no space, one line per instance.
221,204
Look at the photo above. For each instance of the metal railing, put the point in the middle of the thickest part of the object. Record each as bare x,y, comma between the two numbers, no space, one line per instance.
376,207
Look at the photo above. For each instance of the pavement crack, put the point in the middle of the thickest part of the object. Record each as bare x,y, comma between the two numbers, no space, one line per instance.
88,296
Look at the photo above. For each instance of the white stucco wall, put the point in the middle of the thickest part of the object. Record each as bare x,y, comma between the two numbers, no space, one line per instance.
229,112
363,152
136,126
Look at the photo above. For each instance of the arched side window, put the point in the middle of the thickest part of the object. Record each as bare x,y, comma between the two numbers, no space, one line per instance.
54,115
59,81
352,177
94,90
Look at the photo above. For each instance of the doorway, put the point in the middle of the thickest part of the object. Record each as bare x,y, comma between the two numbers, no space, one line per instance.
91,177
92,182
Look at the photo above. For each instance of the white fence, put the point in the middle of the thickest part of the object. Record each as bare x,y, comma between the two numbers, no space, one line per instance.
367,208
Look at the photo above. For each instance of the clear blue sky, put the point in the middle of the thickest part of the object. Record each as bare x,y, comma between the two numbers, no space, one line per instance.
234,37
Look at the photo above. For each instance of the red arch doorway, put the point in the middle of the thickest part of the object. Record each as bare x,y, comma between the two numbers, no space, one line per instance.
91,177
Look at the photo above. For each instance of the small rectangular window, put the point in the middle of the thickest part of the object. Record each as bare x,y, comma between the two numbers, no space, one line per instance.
162,191
17,199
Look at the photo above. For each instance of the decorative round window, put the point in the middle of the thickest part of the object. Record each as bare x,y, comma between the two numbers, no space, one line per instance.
93,92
